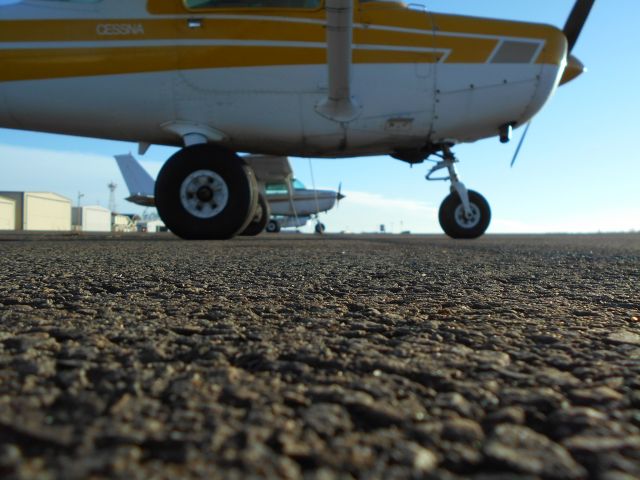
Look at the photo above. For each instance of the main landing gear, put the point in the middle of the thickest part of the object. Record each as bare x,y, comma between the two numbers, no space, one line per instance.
464,213
260,218
207,192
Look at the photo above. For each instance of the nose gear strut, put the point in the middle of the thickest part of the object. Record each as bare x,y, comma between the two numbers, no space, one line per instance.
448,161
464,213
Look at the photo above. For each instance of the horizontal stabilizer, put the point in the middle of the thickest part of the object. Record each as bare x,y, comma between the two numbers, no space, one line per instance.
142,200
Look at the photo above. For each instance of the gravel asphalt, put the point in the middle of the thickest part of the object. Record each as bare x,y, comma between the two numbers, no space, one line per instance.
292,356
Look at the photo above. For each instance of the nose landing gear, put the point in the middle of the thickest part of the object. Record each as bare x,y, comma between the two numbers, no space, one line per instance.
463,214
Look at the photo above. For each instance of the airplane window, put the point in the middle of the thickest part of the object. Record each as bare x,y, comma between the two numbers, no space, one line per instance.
276,189
203,4
282,188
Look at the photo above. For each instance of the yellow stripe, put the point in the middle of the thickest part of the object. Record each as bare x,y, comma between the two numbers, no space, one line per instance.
176,7
78,62
87,30
555,49
27,64
466,50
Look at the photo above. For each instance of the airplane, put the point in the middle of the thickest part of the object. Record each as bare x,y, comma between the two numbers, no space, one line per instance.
307,78
284,201
293,204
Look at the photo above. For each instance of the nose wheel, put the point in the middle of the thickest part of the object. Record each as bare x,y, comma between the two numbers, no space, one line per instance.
464,214
458,223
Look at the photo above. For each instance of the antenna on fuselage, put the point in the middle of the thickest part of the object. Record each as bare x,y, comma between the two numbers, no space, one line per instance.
339,105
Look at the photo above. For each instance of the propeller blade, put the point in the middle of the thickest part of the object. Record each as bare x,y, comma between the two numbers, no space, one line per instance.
339,195
524,135
576,21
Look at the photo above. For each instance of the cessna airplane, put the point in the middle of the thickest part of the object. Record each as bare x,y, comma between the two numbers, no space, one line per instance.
283,201
310,78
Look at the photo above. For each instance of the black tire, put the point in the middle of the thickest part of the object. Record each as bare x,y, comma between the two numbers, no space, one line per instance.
224,215
453,222
259,219
273,226
320,228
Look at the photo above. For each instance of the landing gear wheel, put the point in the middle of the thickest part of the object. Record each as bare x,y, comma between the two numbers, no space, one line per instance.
456,224
320,228
273,226
206,192
260,218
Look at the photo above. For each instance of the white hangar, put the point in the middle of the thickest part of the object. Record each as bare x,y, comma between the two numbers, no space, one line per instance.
7,214
36,211
91,218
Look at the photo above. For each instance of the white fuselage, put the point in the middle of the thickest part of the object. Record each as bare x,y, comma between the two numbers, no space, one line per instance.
303,203
261,108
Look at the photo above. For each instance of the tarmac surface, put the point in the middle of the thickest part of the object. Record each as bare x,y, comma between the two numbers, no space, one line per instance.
290,356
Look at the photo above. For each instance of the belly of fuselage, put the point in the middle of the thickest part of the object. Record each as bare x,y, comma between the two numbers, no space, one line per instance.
474,101
261,109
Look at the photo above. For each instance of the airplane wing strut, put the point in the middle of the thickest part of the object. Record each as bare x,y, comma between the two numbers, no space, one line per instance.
339,105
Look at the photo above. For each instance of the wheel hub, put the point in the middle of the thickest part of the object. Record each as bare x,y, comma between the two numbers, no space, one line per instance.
468,220
204,194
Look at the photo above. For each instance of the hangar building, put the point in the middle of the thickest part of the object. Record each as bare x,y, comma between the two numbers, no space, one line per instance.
91,218
40,211
7,214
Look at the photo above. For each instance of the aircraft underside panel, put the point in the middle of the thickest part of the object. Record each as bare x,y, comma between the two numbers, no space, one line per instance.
120,107
255,110
259,110
473,101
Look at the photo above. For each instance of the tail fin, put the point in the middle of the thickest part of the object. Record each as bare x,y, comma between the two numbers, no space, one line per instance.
140,184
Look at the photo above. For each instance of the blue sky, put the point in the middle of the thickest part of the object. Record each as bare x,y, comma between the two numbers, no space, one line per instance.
579,170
